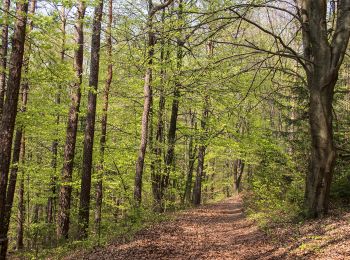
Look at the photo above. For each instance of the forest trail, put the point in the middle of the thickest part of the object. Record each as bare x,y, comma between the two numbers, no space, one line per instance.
222,231
215,231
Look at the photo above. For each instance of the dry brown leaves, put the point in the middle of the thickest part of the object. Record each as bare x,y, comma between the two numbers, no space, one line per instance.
221,231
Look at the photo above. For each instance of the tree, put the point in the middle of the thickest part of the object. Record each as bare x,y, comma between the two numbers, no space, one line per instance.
152,10
19,142
322,61
99,187
72,124
10,112
3,51
90,123
51,202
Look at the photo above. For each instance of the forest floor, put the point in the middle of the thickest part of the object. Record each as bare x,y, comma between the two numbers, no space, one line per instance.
222,231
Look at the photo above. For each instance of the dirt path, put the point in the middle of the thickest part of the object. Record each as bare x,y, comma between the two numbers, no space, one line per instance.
221,231
218,231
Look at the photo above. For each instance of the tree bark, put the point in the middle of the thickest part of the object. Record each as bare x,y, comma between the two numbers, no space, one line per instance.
99,187
152,10
19,146
156,173
237,175
9,114
71,132
197,189
3,52
322,62
51,202
169,158
90,124
147,89
191,160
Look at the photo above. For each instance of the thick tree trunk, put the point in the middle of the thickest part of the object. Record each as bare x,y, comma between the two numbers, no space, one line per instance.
3,51
99,187
323,151
90,124
19,146
71,133
9,114
323,58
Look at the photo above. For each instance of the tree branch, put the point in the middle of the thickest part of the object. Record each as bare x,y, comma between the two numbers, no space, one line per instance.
156,8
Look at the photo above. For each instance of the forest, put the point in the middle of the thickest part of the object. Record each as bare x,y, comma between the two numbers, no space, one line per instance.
194,117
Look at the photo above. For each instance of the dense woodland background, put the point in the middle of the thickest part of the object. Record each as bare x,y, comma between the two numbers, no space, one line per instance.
116,111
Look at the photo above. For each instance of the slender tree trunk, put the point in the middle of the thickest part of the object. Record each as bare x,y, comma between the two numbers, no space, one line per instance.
90,124
51,202
71,133
169,158
9,114
3,51
21,207
237,175
146,109
156,174
191,160
152,10
103,138
197,189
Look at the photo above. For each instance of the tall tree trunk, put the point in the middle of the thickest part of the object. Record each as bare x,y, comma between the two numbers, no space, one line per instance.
10,112
176,96
18,146
156,174
323,59
3,51
51,202
71,133
147,89
197,189
103,138
152,10
90,123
